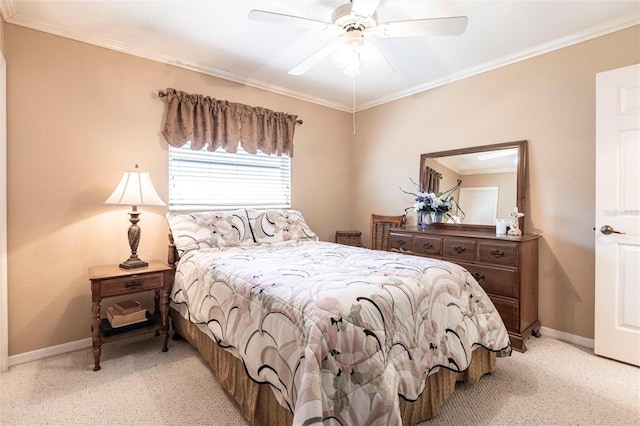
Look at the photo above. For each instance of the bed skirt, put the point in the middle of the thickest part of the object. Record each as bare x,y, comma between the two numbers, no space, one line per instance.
260,407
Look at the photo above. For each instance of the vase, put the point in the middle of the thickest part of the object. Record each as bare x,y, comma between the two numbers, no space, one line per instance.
424,219
437,217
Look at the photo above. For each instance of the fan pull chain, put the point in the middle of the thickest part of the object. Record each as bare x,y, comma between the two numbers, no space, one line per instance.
353,109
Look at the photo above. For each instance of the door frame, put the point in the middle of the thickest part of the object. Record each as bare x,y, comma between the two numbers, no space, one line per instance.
4,305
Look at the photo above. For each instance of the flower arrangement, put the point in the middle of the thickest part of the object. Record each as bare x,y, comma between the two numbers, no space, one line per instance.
440,204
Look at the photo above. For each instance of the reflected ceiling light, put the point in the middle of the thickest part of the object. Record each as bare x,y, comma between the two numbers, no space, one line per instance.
498,154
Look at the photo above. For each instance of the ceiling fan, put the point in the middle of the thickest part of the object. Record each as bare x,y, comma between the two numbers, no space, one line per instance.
353,21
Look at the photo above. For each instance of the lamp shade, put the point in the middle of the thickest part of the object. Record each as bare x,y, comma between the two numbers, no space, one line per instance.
135,189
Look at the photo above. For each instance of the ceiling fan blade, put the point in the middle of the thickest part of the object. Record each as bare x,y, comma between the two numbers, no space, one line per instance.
316,57
364,8
423,27
380,60
279,18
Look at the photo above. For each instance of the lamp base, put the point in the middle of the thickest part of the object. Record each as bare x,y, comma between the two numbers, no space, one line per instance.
133,263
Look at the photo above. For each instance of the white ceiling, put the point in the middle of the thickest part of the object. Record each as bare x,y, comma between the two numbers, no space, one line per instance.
215,37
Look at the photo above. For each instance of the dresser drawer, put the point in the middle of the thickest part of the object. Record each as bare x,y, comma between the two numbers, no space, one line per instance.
460,248
498,253
502,281
400,242
427,246
508,310
130,284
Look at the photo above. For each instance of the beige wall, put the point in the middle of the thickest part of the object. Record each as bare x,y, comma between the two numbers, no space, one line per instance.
548,100
78,116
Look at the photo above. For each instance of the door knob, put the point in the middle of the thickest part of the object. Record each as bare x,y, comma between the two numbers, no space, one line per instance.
607,230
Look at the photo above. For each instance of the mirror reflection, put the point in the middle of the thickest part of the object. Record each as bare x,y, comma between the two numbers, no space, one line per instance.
490,180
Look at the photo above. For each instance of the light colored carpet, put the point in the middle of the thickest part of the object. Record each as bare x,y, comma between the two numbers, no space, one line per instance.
553,383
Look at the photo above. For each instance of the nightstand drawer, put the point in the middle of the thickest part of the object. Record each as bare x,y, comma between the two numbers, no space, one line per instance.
130,284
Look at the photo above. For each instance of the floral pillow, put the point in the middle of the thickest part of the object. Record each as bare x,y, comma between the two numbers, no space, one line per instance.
193,231
276,225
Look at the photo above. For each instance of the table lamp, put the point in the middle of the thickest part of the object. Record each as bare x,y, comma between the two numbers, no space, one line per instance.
135,189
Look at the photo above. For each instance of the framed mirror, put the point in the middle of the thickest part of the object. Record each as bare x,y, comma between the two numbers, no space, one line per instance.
493,182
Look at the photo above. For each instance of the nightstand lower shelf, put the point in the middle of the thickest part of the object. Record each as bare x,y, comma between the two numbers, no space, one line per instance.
107,332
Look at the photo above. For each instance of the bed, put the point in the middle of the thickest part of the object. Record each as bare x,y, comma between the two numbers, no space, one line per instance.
300,331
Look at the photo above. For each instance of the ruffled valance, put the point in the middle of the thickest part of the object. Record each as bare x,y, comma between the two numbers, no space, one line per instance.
210,123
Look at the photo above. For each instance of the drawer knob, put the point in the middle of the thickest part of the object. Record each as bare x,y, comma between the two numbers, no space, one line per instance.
427,246
400,242
133,284
497,253
459,249
478,276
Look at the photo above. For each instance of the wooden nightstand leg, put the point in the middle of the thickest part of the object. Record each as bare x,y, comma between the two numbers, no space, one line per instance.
156,306
164,314
97,342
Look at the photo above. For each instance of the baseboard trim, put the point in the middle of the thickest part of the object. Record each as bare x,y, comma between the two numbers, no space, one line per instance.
50,351
567,337
86,343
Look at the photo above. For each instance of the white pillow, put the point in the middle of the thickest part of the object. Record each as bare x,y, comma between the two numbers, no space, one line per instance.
193,231
276,225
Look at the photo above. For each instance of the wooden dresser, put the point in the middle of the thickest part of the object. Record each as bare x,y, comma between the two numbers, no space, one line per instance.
506,267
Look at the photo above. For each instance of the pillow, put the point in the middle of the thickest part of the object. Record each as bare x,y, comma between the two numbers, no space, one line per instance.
276,225
193,231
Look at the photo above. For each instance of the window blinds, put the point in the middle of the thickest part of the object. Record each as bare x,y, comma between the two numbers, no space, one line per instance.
203,180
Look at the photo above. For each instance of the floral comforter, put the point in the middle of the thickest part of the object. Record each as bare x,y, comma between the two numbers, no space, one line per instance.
338,331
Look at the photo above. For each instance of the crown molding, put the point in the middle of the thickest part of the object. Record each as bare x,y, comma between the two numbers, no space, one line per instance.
10,16
107,43
591,33
6,10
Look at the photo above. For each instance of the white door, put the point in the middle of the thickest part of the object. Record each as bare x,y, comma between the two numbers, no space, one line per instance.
480,205
617,228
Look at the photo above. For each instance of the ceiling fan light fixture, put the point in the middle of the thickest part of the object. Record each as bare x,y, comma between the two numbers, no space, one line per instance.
352,52
351,21
347,58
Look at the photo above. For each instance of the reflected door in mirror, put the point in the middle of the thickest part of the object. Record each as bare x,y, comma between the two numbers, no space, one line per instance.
481,204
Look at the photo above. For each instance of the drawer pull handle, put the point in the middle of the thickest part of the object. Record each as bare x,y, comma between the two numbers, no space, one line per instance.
400,242
427,246
497,253
478,276
459,249
133,284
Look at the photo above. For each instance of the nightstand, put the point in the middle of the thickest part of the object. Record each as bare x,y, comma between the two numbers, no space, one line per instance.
349,238
111,281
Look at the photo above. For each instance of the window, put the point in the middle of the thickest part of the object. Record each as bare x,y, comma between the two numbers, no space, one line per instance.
201,180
